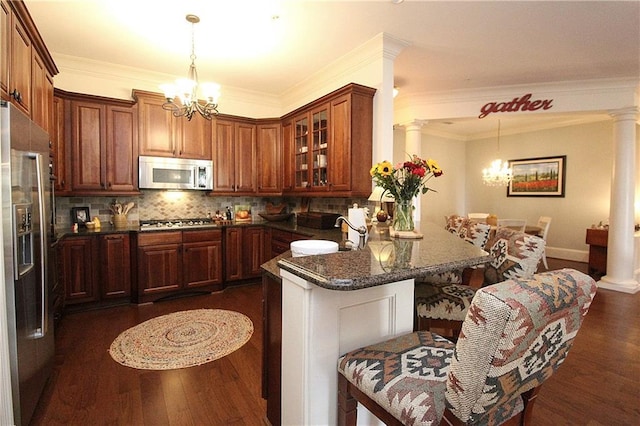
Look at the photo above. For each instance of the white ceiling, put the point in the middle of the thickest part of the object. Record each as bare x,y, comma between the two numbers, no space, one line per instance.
272,45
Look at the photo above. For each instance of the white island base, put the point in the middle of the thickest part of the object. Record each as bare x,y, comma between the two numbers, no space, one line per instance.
318,326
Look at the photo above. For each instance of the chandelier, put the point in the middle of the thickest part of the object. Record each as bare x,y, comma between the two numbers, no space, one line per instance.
188,89
498,173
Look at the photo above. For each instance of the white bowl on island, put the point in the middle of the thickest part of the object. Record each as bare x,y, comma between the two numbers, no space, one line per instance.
313,247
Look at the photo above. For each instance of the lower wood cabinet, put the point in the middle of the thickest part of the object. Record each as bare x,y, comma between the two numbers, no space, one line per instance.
115,266
78,273
95,269
202,259
171,262
272,346
281,241
245,251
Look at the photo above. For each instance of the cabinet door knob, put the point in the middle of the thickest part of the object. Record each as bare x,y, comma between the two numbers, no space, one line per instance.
16,95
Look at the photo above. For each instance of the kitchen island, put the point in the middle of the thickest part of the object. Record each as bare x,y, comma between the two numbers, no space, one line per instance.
337,302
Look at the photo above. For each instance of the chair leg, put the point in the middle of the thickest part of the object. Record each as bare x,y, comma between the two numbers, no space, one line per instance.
544,260
529,399
347,404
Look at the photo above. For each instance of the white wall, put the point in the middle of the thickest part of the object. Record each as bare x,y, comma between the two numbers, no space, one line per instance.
588,148
450,187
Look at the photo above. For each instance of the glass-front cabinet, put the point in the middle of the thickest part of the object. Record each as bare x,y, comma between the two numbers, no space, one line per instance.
328,143
311,137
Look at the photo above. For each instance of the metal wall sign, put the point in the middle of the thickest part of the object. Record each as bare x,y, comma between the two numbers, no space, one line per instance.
523,103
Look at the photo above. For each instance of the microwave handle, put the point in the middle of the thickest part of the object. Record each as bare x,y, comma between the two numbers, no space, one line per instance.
196,176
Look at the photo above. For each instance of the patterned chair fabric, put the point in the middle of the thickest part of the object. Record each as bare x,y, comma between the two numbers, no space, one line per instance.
514,337
514,255
476,233
453,223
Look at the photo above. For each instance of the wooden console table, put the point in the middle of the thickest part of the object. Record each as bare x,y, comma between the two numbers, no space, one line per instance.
597,240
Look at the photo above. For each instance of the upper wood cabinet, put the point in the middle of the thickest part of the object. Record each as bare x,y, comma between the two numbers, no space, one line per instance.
310,145
103,150
26,66
234,156
59,146
41,94
163,135
269,158
20,66
5,52
121,151
328,145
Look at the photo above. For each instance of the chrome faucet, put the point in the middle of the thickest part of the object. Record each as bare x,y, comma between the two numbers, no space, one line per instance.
361,230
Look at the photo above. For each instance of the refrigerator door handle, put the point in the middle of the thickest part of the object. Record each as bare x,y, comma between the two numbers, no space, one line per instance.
42,232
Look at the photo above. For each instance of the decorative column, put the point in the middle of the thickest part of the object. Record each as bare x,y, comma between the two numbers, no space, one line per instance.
620,250
413,145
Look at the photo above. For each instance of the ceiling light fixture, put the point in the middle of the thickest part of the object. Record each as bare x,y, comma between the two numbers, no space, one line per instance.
188,89
498,173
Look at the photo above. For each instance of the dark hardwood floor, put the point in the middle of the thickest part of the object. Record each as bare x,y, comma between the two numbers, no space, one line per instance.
598,384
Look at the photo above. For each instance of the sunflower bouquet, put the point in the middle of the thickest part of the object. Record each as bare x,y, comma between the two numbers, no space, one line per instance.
405,180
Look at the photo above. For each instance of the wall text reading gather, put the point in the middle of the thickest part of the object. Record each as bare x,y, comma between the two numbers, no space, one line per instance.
517,104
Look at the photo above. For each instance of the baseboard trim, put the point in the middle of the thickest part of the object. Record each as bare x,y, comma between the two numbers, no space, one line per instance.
568,254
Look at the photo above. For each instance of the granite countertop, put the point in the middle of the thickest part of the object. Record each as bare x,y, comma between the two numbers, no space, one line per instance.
384,260
289,226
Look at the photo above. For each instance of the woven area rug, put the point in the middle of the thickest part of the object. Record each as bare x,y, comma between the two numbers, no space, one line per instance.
182,339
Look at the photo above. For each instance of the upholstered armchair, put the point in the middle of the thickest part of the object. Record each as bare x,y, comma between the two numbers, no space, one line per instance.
515,335
444,304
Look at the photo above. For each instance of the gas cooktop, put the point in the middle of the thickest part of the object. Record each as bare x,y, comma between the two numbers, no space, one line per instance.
152,225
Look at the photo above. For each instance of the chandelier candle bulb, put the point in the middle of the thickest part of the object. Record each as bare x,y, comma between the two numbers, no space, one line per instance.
187,89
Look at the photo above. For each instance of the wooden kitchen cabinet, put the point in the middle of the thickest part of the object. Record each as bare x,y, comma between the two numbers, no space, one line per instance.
310,146
234,156
104,145
5,42
244,252
20,65
88,142
272,347
269,158
41,93
202,259
121,152
159,263
26,66
288,152
329,145
115,266
95,270
78,273
59,146
281,240
163,135
170,263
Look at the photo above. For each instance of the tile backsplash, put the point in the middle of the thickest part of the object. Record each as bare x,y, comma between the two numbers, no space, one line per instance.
164,205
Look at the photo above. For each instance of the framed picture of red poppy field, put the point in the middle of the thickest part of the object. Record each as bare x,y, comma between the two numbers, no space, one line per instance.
537,177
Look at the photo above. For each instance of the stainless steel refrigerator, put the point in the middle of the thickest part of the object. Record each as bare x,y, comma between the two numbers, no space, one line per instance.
26,218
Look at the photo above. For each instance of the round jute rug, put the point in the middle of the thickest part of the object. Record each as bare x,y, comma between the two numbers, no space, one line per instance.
182,339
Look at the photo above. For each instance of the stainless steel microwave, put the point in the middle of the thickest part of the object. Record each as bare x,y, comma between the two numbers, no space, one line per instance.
175,173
